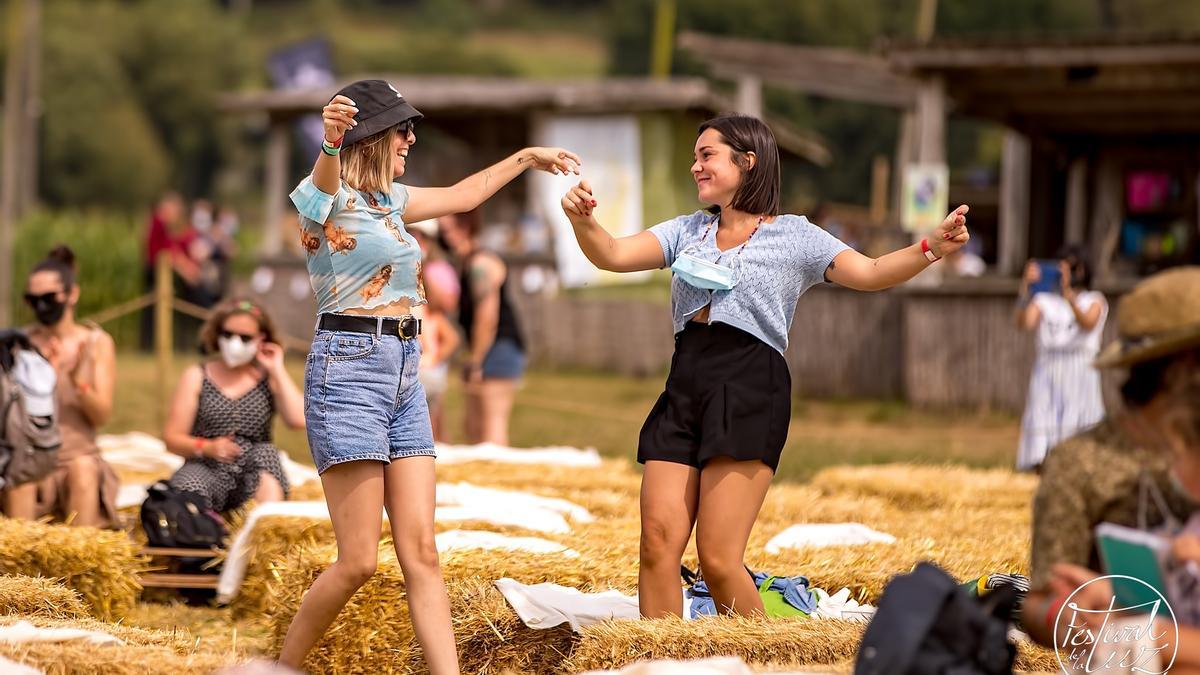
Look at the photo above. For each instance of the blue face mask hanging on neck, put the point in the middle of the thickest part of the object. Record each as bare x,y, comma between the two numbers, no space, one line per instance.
702,273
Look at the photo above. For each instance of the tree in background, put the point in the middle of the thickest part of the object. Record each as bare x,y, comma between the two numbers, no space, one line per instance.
128,90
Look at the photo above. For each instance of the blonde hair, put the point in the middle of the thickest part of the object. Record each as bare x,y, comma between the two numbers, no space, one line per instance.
367,164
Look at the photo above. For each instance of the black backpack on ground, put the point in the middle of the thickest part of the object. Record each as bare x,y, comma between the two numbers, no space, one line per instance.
178,519
926,625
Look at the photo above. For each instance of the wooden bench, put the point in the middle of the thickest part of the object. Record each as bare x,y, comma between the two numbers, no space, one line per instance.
161,579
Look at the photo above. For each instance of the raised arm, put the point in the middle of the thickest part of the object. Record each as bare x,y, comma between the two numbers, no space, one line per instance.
338,117
862,273
95,377
1027,315
634,253
467,194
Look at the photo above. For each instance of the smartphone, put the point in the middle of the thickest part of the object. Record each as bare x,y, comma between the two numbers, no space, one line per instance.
1134,554
1051,281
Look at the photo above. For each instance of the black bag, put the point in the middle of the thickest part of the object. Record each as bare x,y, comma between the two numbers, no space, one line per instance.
178,519
926,625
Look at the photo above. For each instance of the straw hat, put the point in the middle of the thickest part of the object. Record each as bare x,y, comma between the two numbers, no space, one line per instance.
1159,317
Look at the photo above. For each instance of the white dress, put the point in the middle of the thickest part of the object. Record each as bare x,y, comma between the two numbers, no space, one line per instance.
1064,389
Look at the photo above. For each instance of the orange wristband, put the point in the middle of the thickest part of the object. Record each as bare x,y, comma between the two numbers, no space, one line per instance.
199,443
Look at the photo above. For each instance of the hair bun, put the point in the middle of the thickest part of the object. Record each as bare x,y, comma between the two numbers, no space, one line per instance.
63,254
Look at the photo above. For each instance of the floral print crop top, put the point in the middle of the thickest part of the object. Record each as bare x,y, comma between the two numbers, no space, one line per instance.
359,254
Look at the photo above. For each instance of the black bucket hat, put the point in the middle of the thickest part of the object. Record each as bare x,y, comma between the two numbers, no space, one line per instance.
380,107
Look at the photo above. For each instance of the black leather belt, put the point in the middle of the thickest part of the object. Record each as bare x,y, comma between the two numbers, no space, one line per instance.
406,327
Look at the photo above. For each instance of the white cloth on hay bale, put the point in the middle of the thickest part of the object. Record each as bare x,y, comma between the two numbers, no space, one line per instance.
547,605
458,540
456,502
25,632
816,535
490,452
10,667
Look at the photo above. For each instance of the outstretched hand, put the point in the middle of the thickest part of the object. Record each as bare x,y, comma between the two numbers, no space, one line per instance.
952,234
553,160
579,202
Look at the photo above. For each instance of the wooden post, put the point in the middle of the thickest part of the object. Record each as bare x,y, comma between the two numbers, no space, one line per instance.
164,343
15,75
749,95
1076,201
31,109
931,121
1013,239
879,189
664,43
276,187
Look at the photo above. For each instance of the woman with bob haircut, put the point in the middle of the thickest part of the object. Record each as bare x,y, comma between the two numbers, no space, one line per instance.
223,410
367,418
712,441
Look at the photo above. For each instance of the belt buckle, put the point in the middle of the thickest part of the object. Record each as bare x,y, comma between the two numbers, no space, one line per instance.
409,327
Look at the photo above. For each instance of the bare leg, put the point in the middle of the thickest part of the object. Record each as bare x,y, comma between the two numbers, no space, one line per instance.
668,510
83,492
21,501
497,402
354,491
409,497
269,489
731,494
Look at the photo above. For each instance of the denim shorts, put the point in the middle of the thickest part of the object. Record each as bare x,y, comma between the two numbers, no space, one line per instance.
363,400
505,360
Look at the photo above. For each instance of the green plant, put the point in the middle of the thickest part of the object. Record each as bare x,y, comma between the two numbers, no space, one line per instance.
108,251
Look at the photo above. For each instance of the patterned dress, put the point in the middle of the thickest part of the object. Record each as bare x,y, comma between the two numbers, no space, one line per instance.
247,419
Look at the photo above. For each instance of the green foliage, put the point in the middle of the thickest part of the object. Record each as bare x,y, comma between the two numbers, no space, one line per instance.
128,91
108,252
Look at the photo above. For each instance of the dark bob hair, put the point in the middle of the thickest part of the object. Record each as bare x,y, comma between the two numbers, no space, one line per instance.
759,190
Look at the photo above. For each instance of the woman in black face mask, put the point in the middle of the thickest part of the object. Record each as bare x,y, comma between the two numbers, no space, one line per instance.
83,489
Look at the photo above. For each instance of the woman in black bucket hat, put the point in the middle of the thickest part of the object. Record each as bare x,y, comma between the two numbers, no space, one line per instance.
365,411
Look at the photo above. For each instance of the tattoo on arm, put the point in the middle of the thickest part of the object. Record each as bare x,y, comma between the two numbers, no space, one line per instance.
487,178
480,283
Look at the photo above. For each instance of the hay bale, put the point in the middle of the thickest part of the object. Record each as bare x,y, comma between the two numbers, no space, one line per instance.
372,634
101,565
37,596
774,642
144,651
492,639
210,629
274,538
914,487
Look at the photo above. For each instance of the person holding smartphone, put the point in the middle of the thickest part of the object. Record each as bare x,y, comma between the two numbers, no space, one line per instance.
1064,388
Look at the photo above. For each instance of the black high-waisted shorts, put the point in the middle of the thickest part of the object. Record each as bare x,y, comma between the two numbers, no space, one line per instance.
728,393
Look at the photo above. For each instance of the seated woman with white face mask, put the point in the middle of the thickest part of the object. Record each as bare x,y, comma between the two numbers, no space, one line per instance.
222,411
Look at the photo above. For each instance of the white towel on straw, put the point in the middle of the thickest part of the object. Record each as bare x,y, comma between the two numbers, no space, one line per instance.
548,605
23,631
827,534
453,540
